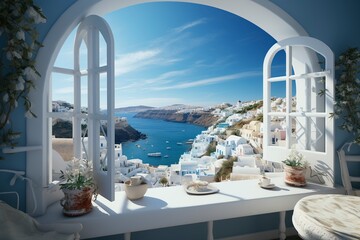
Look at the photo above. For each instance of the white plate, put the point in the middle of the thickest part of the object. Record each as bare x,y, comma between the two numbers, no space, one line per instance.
270,186
209,190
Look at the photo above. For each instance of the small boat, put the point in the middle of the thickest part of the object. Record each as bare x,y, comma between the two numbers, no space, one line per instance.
138,145
190,141
179,143
168,148
166,156
154,154
167,141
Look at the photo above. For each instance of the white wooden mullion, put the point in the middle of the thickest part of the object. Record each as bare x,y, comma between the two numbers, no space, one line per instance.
77,99
267,102
288,51
110,70
93,96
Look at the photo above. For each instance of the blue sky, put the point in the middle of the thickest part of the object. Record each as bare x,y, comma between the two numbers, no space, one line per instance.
169,53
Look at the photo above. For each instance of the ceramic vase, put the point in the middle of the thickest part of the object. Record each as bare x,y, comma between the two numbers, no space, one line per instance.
77,202
295,176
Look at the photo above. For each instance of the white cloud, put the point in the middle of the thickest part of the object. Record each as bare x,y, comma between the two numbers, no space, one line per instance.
153,102
65,90
189,25
133,61
209,81
166,76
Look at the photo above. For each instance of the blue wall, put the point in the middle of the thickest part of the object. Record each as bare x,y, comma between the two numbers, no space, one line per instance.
333,22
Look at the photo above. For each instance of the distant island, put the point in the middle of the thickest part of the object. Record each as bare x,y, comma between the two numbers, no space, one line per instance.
62,128
174,113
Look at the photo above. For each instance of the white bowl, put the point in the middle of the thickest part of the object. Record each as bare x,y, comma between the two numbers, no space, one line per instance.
135,192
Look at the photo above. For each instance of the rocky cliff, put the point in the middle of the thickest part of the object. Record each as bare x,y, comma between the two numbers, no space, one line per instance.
123,131
201,118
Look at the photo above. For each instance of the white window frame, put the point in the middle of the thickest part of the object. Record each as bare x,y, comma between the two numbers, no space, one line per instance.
88,32
321,154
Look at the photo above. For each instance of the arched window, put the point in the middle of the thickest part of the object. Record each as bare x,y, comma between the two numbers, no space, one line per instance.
304,115
92,86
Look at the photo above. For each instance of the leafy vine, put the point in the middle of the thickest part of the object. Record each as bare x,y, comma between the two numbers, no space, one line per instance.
19,36
347,89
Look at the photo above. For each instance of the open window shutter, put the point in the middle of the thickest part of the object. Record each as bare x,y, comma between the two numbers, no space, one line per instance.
304,117
100,129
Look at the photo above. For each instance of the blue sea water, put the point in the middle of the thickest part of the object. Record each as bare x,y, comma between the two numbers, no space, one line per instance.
162,136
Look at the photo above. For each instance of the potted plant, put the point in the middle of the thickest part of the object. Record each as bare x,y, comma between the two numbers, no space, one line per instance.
295,169
78,187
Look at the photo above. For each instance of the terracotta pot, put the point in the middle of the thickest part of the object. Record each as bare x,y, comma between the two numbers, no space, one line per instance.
295,176
77,202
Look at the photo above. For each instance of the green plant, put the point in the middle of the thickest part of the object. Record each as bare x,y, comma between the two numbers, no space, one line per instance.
164,181
78,175
347,89
295,159
18,19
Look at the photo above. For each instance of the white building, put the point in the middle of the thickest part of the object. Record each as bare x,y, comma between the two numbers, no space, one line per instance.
244,149
226,147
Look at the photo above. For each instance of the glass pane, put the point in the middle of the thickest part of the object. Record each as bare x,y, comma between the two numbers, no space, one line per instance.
278,66
62,92
278,131
308,133
278,93
103,91
102,51
310,94
84,94
65,58
61,145
293,97
83,56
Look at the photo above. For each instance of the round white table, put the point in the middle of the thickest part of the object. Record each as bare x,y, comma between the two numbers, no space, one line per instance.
327,217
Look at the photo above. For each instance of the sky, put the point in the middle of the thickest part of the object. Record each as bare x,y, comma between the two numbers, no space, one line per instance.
178,53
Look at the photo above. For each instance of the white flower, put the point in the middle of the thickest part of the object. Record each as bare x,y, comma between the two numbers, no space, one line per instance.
28,114
16,54
20,35
29,73
9,56
6,97
35,15
19,86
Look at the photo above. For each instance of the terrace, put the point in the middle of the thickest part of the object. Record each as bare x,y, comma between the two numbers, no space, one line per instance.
241,210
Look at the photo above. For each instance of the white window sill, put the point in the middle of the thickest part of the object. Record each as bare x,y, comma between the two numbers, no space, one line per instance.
165,207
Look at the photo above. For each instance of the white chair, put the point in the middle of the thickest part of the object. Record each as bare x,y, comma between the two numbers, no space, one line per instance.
347,179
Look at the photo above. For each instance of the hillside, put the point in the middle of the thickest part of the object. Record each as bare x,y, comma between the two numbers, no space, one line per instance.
139,108
201,118
123,131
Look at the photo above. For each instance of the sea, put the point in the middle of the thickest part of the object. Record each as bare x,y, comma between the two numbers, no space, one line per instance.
168,138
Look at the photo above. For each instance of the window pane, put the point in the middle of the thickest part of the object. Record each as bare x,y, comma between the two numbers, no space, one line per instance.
84,94
83,57
278,67
308,133
62,91
278,93
278,131
102,51
103,91
62,147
